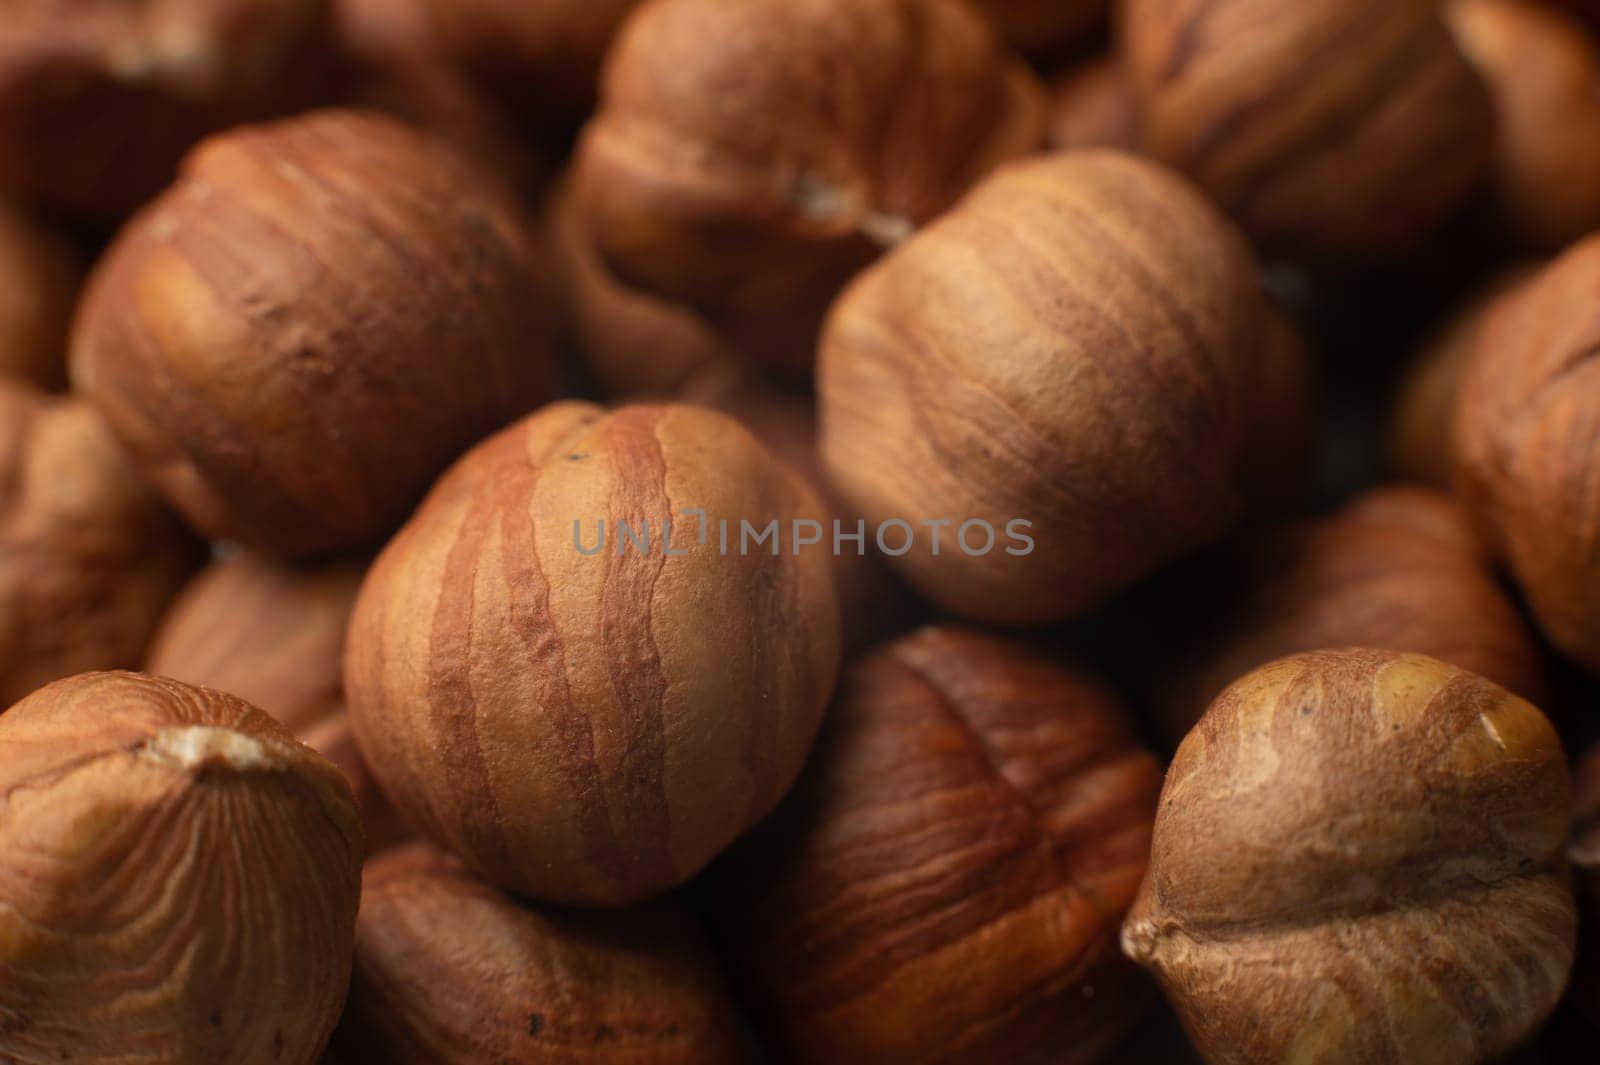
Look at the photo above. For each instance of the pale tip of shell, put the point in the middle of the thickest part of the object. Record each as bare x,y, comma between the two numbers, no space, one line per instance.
199,746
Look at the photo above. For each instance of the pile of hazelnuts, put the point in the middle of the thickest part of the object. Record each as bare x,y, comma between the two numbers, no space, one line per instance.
694,532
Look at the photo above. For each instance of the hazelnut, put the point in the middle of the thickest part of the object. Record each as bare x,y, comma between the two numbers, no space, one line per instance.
747,159
1525,449
632,343
1077,346
274,635
1039,27
1092,107
178,879
100,98
1584,852
1331,129
1399,569
1541,67
543,56
39,274
1419,425
1358,858
585,715
872,603
450,971
947,880
89,556
293,343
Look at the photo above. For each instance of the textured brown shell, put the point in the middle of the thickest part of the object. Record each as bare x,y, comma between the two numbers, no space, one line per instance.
1329,128
89,555
1077,344
947,881
450,971
1092,107
1399,569
39,274
593,729
269,633
748,158
1541,68
100,98
293,342
1358,859
178,879
1527,435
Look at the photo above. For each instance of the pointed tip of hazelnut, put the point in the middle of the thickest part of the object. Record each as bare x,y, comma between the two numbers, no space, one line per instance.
197,747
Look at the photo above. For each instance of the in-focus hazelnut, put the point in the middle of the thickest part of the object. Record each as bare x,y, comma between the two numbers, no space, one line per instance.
1399,569
748,158
273,634
947,881
39,275
1359,858
591,720
89,555
1526,444
1541,67
178,879
633,344
310,325
450,971
100,98
1329,128
1424,408
1092,107
1078,345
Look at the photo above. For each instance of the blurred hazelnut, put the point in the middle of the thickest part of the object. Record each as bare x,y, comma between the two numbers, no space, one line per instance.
293,343
450,971
1542,68
1330,128
39,276
633,343
100,98
747,159
1358,858
947,880
1526,444
1091,107
1419,425
89,555
586,715
1040,27
1584,852
1399,569
1079,345
178,879
274,635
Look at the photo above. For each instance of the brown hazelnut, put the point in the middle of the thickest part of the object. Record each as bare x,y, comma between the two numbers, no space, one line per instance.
1399,569
39,274
1039,27
543,56
396,65
100,98
1526,447
178,879
1092,107
1358,858
450,971
293,343
589,716
747,159
273,635
89,555
1419,425
1071,356
1584,853
872,603
1542,68
633,343
947,880
1329,128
